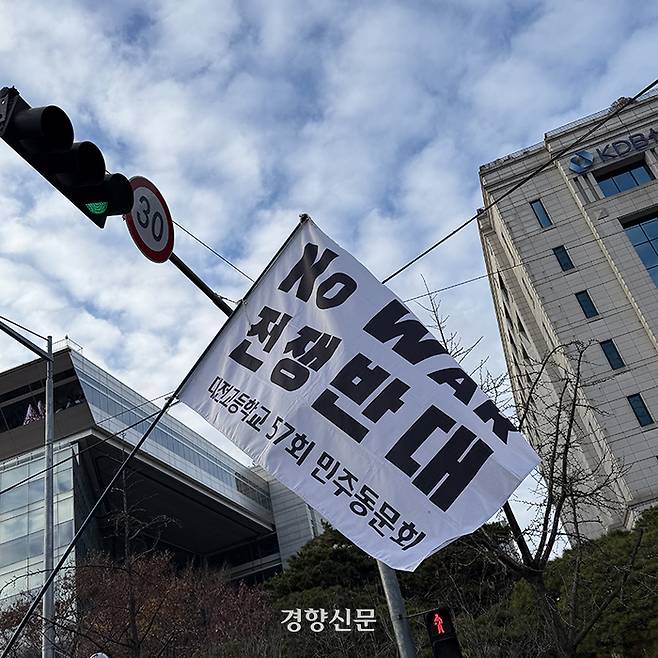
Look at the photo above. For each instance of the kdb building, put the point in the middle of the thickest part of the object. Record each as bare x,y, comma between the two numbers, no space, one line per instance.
572,255
218,511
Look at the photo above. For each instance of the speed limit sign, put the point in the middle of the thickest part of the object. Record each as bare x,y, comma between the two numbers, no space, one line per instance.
149,221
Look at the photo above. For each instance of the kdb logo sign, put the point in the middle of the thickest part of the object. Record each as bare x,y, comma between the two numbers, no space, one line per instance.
581,161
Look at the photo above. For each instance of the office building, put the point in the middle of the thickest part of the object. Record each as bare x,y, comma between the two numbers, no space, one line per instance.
218,511
572,255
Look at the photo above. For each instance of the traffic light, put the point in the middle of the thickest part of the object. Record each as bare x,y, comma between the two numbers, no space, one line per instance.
441,630
43,136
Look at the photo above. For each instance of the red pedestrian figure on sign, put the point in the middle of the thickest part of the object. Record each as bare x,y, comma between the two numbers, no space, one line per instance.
438,622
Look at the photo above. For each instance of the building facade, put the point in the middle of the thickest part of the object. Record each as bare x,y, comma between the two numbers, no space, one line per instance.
572,255
220,511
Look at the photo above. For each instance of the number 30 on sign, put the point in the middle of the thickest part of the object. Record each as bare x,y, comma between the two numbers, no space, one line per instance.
149,221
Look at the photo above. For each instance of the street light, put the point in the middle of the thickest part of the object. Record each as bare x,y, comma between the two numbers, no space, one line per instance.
48,608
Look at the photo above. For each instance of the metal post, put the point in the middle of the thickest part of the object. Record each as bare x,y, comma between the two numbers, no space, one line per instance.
48,625
48,635
397,611
200,284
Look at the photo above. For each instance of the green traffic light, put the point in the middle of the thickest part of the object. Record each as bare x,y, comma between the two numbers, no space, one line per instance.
97,208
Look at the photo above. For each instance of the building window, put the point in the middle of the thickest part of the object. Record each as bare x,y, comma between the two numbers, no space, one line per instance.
563,258
527,289
522,330
624,179
549,338
643,235
586,304
508,317
541,214
612,354
503,288
640,409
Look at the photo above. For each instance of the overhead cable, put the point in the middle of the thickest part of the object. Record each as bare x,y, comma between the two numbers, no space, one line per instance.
527,178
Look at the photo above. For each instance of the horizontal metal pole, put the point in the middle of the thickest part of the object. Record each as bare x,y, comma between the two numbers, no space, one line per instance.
24,341
200,284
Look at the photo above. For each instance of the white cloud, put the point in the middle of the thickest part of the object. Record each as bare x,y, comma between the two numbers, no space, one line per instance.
371,116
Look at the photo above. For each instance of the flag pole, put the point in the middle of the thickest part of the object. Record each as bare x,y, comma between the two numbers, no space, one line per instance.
389,579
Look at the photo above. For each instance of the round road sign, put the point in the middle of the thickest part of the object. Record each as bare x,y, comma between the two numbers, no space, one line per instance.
149,221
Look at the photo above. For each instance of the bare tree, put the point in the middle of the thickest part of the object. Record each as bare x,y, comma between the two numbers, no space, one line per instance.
576,491
142,604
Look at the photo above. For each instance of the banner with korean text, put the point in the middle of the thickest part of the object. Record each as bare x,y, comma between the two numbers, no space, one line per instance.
329,382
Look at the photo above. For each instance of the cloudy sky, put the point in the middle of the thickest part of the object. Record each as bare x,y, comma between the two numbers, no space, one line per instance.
372,117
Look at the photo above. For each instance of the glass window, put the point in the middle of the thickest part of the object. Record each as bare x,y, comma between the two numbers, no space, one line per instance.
641,174
36,466
647,254
541,214
563,258
12,528
63,481
35,543
650,228
64,510
35,490
640,409
636,235
643,234
624,178
612,354
63,533
586,304
608,187
14,498
625,181
13,476
13,551
37,519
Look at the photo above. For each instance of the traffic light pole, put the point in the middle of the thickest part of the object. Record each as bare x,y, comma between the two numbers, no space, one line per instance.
48,636
201,284
48,612
397,611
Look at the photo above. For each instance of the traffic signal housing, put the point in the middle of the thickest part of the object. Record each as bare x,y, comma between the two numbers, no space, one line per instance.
441,629
43,136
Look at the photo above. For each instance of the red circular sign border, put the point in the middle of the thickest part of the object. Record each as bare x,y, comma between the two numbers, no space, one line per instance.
151,254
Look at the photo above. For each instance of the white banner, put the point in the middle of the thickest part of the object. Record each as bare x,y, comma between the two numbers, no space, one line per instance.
329,382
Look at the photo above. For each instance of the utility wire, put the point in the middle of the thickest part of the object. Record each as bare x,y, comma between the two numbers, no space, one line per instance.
525,179
20,326
209,248
99,442
161,412
570,295
546,254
